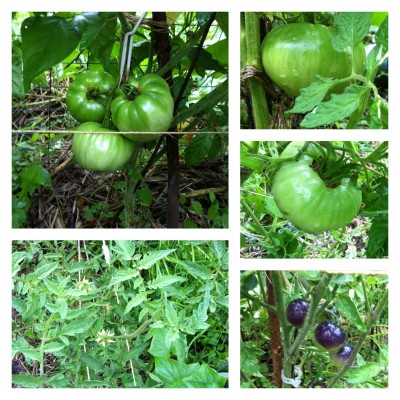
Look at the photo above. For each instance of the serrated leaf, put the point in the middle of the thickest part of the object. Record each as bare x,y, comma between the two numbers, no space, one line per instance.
352,28
338,108
197,270
198,149
28,381
91,362
53,347
151,258
46,41
382,35
138,299
165,280
32,178
125,249
363,373
378,237
159,345
122,276
46,269
76,327
311,96
145,196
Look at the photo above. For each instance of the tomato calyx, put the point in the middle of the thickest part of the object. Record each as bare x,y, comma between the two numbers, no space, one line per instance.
131,91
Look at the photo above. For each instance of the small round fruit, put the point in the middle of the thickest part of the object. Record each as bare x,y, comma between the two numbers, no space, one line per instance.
329,336
341,357
296,312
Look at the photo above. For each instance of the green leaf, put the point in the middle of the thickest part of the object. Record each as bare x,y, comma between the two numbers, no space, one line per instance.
138,299
196,207
75,327
125,249
311,96
160,347
197,270
46,41
198,149
378,237
17,80
28,381
53,347
122,276
162,281
91,362
352,28
223,22
179,347
219,52
177,375
151,258
171,314
379,114
348,309
363,373
382,35
32,178
145,196
98,34
339,107
46,269
21,346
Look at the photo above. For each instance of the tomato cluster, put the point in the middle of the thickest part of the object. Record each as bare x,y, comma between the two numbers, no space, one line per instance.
306,200
328,336
140,105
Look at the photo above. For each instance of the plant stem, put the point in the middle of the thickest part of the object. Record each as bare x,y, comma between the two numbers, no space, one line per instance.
43,343
250,213
373,317
318,293
260,112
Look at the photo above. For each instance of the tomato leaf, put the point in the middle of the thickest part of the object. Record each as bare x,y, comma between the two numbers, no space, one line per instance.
46,41
348,309
364,373
32,178
378,237
312,96
352,28
339,107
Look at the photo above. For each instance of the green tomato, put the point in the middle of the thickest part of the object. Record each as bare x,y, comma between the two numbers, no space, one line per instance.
101,151
148,108
294,54
307,202
85,98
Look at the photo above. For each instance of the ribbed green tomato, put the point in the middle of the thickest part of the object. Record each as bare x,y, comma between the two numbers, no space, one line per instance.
307,202
294,54
100,151
85,98
148,108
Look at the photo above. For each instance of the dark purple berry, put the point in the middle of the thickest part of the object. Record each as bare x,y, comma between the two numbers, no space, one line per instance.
329,335
341,357
296,312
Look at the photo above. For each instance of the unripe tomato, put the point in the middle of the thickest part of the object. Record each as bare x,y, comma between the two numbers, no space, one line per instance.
294,54
341,357
307,202
86,98
149,108
100,151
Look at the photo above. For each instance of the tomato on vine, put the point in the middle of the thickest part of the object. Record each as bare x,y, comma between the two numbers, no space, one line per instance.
307,201
144,105
294,54
101,151
88,94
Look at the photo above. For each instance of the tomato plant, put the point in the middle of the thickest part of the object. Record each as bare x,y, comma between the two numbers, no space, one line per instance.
327,190
143,105
305,70
87,95
294,54
101,151
315,354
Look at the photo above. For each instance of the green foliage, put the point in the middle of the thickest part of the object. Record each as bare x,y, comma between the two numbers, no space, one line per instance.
126,314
